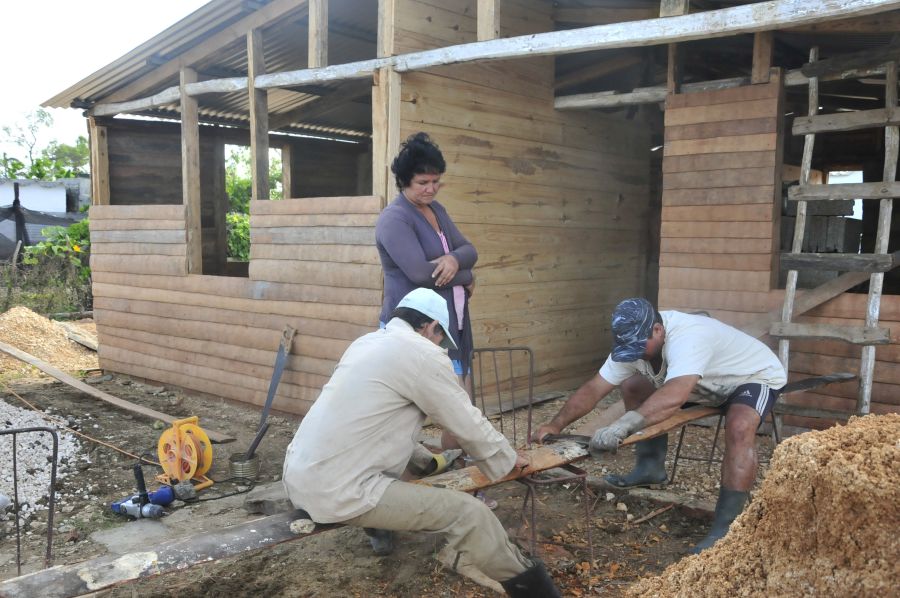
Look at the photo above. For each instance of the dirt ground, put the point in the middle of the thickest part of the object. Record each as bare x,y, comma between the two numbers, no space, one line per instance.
338,562
633,536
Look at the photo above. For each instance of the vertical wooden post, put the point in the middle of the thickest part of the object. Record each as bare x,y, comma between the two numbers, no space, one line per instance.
220,205
190,173
674,8
318,33
259,117
488,21
387,12
99,163
385,131
385,107
287,171
763,42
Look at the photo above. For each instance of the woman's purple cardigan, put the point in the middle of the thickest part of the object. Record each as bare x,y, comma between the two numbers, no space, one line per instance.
406,242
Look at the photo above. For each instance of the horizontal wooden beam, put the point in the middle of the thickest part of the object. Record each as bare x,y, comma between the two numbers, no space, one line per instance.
844,121
856,335
171,95
725,22
652,95
844,191
842,262
641,95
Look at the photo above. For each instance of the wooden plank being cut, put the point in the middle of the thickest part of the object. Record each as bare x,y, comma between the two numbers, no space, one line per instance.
99,394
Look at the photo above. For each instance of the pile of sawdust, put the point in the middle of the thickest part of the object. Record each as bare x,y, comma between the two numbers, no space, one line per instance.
826,522
41,338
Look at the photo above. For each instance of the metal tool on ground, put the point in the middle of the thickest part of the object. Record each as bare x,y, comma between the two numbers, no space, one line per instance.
185,453
147,505
246,464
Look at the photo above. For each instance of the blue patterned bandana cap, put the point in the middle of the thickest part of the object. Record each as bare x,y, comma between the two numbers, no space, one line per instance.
632,323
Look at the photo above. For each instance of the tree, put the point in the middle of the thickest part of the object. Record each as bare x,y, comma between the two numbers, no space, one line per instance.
56,161
238,181
72,157
25,135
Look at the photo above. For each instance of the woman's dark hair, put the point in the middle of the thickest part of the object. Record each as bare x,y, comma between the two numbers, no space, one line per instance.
418,155
413,317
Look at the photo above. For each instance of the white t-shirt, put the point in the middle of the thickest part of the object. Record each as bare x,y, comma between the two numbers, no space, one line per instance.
723,357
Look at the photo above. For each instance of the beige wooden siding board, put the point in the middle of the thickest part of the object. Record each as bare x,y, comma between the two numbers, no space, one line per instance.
348,254
716,245
737,177
311,220
749,126
318,273
733,213
245,288
139,236
313,326
720,161
733,261
154,212
175,249
317,206
719,195
720,112
698,278
143,264
351,314
718,145
319,235
254,338
736,230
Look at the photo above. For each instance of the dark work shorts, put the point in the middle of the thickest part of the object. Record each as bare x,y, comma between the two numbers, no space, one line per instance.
760,397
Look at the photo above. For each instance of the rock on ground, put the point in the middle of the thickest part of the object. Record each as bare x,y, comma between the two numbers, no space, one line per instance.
824,523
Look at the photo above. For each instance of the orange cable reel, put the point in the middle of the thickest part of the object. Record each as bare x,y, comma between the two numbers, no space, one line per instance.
185,453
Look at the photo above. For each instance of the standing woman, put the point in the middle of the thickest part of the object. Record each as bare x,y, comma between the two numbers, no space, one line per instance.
421,247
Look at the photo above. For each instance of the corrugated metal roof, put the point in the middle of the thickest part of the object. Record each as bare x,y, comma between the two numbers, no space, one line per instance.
352,36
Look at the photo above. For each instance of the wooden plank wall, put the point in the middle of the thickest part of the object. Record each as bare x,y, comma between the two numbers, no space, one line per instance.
218,335
555,202
720,238
721,201
323,168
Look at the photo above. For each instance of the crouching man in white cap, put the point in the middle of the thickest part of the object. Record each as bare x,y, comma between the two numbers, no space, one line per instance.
663,359
346,459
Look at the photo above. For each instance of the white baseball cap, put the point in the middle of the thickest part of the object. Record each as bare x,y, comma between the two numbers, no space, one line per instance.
429,303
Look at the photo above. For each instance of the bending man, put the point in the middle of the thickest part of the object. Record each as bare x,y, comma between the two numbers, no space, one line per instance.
660,358
346,459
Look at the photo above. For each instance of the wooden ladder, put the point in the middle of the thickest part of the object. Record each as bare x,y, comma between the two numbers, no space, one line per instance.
876,264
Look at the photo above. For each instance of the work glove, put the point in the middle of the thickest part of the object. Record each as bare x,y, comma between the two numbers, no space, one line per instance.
610,437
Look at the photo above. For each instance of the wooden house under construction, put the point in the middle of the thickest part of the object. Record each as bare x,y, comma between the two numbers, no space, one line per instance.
596,149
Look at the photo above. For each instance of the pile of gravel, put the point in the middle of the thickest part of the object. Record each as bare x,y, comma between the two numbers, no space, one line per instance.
33,459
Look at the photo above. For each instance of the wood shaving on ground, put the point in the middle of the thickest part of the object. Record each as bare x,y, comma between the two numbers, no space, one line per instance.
42,338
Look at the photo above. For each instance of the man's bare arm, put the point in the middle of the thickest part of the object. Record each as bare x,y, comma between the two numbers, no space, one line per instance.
668,399
579,404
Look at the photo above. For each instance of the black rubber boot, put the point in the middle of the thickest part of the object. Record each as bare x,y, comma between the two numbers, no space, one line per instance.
649,466
728,507
534,582
382,540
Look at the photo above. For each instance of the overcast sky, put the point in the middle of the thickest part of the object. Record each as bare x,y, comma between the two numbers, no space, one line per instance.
49,45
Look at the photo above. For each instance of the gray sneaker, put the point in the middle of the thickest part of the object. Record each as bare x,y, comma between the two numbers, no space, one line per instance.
382,540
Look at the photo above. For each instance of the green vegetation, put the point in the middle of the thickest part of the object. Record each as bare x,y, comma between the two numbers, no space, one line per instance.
56,161
237,186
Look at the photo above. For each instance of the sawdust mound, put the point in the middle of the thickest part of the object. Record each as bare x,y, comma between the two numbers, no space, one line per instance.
826,522
42,338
